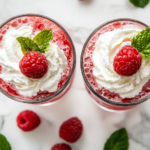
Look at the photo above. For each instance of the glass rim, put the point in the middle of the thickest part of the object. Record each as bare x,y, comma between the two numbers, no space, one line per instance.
72,70
82,68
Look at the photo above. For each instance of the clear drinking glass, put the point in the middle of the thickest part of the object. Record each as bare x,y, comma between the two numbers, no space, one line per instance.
102,97
62,38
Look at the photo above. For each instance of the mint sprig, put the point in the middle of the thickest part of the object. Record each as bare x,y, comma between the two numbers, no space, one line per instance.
39,43
4,144
142,43
117,141
139,3
42,39
27,44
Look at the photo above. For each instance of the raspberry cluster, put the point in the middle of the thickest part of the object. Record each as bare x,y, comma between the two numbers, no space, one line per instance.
70,131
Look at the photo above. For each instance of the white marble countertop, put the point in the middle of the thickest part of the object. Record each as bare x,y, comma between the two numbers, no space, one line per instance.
79,18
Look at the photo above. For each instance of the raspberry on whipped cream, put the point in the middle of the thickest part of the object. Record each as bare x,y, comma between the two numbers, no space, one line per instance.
107,47
38,80
11,55
127,61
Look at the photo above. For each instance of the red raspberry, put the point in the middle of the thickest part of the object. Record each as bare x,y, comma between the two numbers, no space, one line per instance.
33,65
28,120
71,130
128,61
61,146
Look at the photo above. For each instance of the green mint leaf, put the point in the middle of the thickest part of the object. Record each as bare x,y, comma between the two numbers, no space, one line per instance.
142,43
117,141
43,47
139,3
146,54
42,39
4,145
27,45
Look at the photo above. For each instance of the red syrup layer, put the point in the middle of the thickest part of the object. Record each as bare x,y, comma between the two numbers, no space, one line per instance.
59,38
88,66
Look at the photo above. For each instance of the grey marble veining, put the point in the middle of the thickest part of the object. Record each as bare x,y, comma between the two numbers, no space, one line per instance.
79,19
1,122
140,132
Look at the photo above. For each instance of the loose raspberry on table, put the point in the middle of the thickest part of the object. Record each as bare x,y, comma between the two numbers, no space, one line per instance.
71,130
28,120
33,65
61,146
127,61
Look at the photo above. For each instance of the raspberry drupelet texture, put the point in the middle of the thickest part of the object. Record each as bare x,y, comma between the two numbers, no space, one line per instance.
71,130
28,120
127,61
61,146
34,65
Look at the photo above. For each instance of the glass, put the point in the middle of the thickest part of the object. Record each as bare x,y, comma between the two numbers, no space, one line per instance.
50,97
103,101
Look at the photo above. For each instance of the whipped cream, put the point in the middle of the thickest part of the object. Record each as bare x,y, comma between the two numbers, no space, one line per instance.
106,48
11,55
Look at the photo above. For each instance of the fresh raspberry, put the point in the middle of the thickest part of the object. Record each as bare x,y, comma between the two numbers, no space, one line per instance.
71,130
61,146
33,65
127,61
28,120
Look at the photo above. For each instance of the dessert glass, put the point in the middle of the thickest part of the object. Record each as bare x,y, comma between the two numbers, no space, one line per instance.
105,99
61,37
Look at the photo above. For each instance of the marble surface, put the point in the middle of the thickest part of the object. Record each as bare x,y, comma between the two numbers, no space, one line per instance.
79,18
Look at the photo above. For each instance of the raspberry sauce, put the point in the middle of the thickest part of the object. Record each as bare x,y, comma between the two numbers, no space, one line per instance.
88,68
59,38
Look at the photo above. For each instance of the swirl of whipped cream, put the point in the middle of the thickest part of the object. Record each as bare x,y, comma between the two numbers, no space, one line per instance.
11,55
106,48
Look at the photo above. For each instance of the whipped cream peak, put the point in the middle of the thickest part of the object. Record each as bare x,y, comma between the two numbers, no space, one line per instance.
11,55
106,48
12,46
